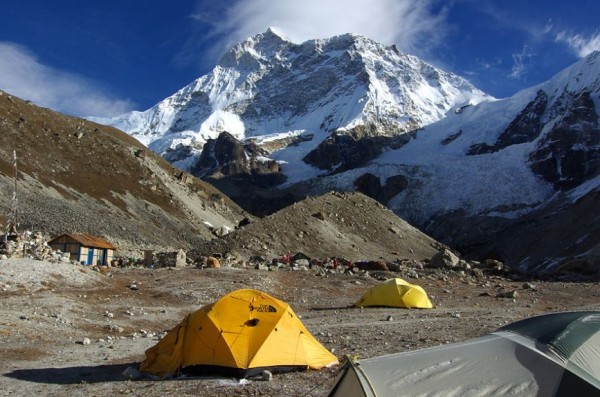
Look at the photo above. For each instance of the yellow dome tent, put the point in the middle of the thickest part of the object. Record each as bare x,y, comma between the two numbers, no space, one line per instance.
241,334
396,292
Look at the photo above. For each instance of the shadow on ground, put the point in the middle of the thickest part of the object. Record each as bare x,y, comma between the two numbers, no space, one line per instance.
73,375
102,373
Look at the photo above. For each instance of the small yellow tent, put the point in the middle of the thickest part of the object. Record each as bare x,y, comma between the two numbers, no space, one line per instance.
396,292
241,334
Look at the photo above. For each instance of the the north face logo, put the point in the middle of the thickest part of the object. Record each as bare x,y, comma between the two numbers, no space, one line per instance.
263,309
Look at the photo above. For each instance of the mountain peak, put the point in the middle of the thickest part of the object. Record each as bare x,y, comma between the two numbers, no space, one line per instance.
584,75
272,36
251,52
349,40
273,31
268,86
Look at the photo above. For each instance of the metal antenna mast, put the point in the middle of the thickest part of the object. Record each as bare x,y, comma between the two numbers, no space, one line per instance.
13,217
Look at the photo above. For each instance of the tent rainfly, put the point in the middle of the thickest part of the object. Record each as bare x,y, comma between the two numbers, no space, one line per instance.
550,355
300,256
395,292
241,334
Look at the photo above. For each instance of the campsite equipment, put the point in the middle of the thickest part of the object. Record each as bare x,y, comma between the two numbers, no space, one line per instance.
301,259
395,292
241,334
549,355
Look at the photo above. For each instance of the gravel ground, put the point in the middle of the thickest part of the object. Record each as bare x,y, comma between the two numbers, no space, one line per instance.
48,309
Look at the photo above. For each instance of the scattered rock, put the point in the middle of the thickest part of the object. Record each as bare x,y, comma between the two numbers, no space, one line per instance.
114,328
508,294
213,262
267,375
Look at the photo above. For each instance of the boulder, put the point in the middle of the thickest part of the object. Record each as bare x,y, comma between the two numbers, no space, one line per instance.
213,262
372,265
444,259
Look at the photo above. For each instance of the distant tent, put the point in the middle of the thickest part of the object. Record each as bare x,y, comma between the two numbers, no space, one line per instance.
301,259
299,256
222,231
241,334
550,355
395,292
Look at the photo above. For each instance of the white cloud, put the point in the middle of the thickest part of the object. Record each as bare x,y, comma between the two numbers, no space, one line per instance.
581,45
521,63
22,75
410,24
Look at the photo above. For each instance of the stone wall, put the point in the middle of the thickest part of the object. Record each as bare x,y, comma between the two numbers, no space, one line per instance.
169,259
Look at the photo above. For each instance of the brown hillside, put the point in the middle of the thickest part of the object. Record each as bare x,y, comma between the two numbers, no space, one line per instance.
76,175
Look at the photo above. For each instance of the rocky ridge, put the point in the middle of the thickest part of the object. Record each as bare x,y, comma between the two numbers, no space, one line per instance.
344,225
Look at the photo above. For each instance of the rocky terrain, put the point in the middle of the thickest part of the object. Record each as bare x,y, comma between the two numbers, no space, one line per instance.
344,225
66,330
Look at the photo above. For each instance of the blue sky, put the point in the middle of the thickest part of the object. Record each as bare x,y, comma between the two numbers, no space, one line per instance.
103,58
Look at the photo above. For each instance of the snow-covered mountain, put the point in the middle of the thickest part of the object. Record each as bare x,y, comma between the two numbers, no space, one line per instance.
510,155
268,87
483,168
347,113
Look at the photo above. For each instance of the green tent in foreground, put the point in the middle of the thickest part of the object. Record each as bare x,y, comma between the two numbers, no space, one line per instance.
549,355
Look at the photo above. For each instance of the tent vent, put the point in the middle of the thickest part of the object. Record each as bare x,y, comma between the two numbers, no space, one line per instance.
252,323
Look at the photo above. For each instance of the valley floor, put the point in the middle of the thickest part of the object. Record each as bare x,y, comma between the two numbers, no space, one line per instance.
48,309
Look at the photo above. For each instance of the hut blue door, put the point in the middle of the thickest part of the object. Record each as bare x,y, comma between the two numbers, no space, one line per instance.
90,259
